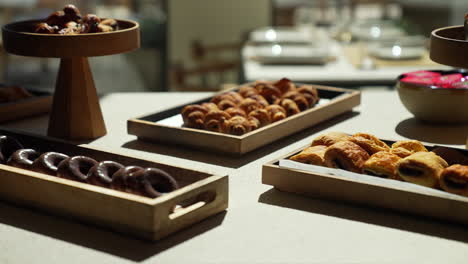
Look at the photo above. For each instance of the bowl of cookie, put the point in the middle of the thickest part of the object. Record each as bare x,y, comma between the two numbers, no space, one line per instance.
435,96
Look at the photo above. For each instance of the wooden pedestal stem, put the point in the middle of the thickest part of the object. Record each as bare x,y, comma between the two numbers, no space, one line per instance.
76,113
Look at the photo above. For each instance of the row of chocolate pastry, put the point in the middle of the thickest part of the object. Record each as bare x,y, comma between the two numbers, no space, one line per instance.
70,22
253,106
406,160
149,182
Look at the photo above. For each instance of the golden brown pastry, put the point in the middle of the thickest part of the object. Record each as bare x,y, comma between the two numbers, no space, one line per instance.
260,99
382,164
249,105
311,155
268,91
285,85
231,96
247,91
194,116
235,111
404,148
310,93
262,116
290,107
276,112
210,106
214,119
298,98
237,125
346,155
423,168
451,156
369,143
226,104
330,138
454,179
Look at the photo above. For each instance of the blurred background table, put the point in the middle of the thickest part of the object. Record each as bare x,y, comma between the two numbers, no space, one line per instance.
261,225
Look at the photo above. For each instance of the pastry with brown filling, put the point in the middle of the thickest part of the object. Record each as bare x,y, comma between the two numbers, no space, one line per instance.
346,155
404,148
330,138
310,93
454,179
369,143
276,112
262,116
290,106
311,155
194,116
382,164
423,168
237,125
214,119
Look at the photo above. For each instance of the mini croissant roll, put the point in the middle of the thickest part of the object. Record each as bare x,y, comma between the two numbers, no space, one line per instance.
276,112
260,99
214,119
369,143
262,116
311,155
210,106
382,164
330,138
194,116
298,98
235,111
249,105
404,148
310,93
235,97
285,85
454,179
346,155
423,168
237,125
247,91
268,91
290,106
226,104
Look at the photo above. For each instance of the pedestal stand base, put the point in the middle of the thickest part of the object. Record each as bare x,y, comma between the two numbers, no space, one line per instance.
76,113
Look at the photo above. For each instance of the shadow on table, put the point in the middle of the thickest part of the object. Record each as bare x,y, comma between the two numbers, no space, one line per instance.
433,133
99,239
375,216
232,161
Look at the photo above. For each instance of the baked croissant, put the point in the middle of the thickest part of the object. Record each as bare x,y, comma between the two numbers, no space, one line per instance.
298,98
247,91
310,93
226,104
260,99
231,96
237,125
214,120
249,105
194,116
276,112
262,116
235,111
290,107
285,85
269,92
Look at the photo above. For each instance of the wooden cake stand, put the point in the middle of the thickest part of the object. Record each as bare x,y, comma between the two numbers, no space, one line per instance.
76,113
449,47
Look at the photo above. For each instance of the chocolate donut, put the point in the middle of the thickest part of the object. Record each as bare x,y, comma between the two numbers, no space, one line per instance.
75,168
8,145
119,179
152,182
102,173
48,162
23,158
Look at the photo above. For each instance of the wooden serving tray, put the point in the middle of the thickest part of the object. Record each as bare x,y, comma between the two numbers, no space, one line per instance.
40,103
200,196
146,127
406,197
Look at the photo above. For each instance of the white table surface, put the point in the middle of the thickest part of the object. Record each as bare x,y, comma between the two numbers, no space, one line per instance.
261,225
337,71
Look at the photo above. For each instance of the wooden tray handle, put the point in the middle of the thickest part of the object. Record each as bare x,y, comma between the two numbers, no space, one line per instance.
192,204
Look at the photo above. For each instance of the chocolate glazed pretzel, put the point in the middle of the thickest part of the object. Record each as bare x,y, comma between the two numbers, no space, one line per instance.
149,182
